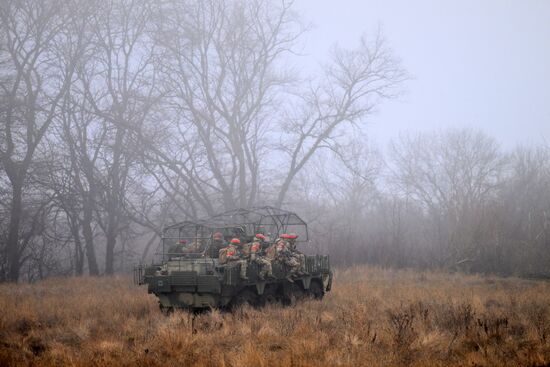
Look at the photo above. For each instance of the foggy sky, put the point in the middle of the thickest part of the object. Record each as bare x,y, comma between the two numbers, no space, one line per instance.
482,64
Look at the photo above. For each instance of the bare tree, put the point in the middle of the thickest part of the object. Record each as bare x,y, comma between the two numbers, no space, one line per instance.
453,175
235,104
82,140
348,195
354,84
221,73
120,116
41,45
521,217
119,83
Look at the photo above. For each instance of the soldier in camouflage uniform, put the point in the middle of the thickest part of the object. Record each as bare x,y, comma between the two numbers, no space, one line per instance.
298,255
285,256
271,252
254,251
216,245
225,253
177,248
194,247
233,253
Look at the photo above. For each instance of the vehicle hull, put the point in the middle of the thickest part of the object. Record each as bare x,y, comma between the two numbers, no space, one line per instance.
194,284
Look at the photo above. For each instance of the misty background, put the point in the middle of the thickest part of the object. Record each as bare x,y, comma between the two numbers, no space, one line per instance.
476,64
406,135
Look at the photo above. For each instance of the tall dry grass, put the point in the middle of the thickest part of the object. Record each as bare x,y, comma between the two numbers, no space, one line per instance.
373,317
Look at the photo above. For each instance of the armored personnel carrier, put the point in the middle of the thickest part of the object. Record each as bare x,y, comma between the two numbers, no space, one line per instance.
189,275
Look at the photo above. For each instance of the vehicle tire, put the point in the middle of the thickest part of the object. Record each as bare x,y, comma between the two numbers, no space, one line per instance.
270,299
293,294
270,296
316,290
166,310
245,297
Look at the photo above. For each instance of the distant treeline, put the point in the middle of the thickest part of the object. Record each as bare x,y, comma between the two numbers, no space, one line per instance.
119,117
450,199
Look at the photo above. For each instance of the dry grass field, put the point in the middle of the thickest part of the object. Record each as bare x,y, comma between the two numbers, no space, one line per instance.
373,317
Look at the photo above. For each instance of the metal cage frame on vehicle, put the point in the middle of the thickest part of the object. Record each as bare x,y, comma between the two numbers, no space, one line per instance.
242,223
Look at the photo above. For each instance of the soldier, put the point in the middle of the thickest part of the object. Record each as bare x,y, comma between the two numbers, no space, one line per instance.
271,252
177,248
234,253
298,255
255,252
285,256
216,245
194,247
225,253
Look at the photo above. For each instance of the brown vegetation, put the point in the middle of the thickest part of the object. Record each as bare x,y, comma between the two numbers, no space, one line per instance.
372,317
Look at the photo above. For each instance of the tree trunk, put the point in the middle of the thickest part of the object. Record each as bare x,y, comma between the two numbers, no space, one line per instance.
89,240
148,247
14,255
79,257
283,191
78,254
113,200
111,242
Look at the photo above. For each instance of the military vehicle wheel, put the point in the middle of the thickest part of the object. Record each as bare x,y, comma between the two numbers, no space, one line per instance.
316,290
245,297
270,299
166,310
293,294
270,296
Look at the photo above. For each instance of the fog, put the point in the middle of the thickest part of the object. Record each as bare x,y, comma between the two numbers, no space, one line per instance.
476,64
406,134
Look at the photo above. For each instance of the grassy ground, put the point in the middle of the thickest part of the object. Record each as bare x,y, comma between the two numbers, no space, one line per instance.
373,317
